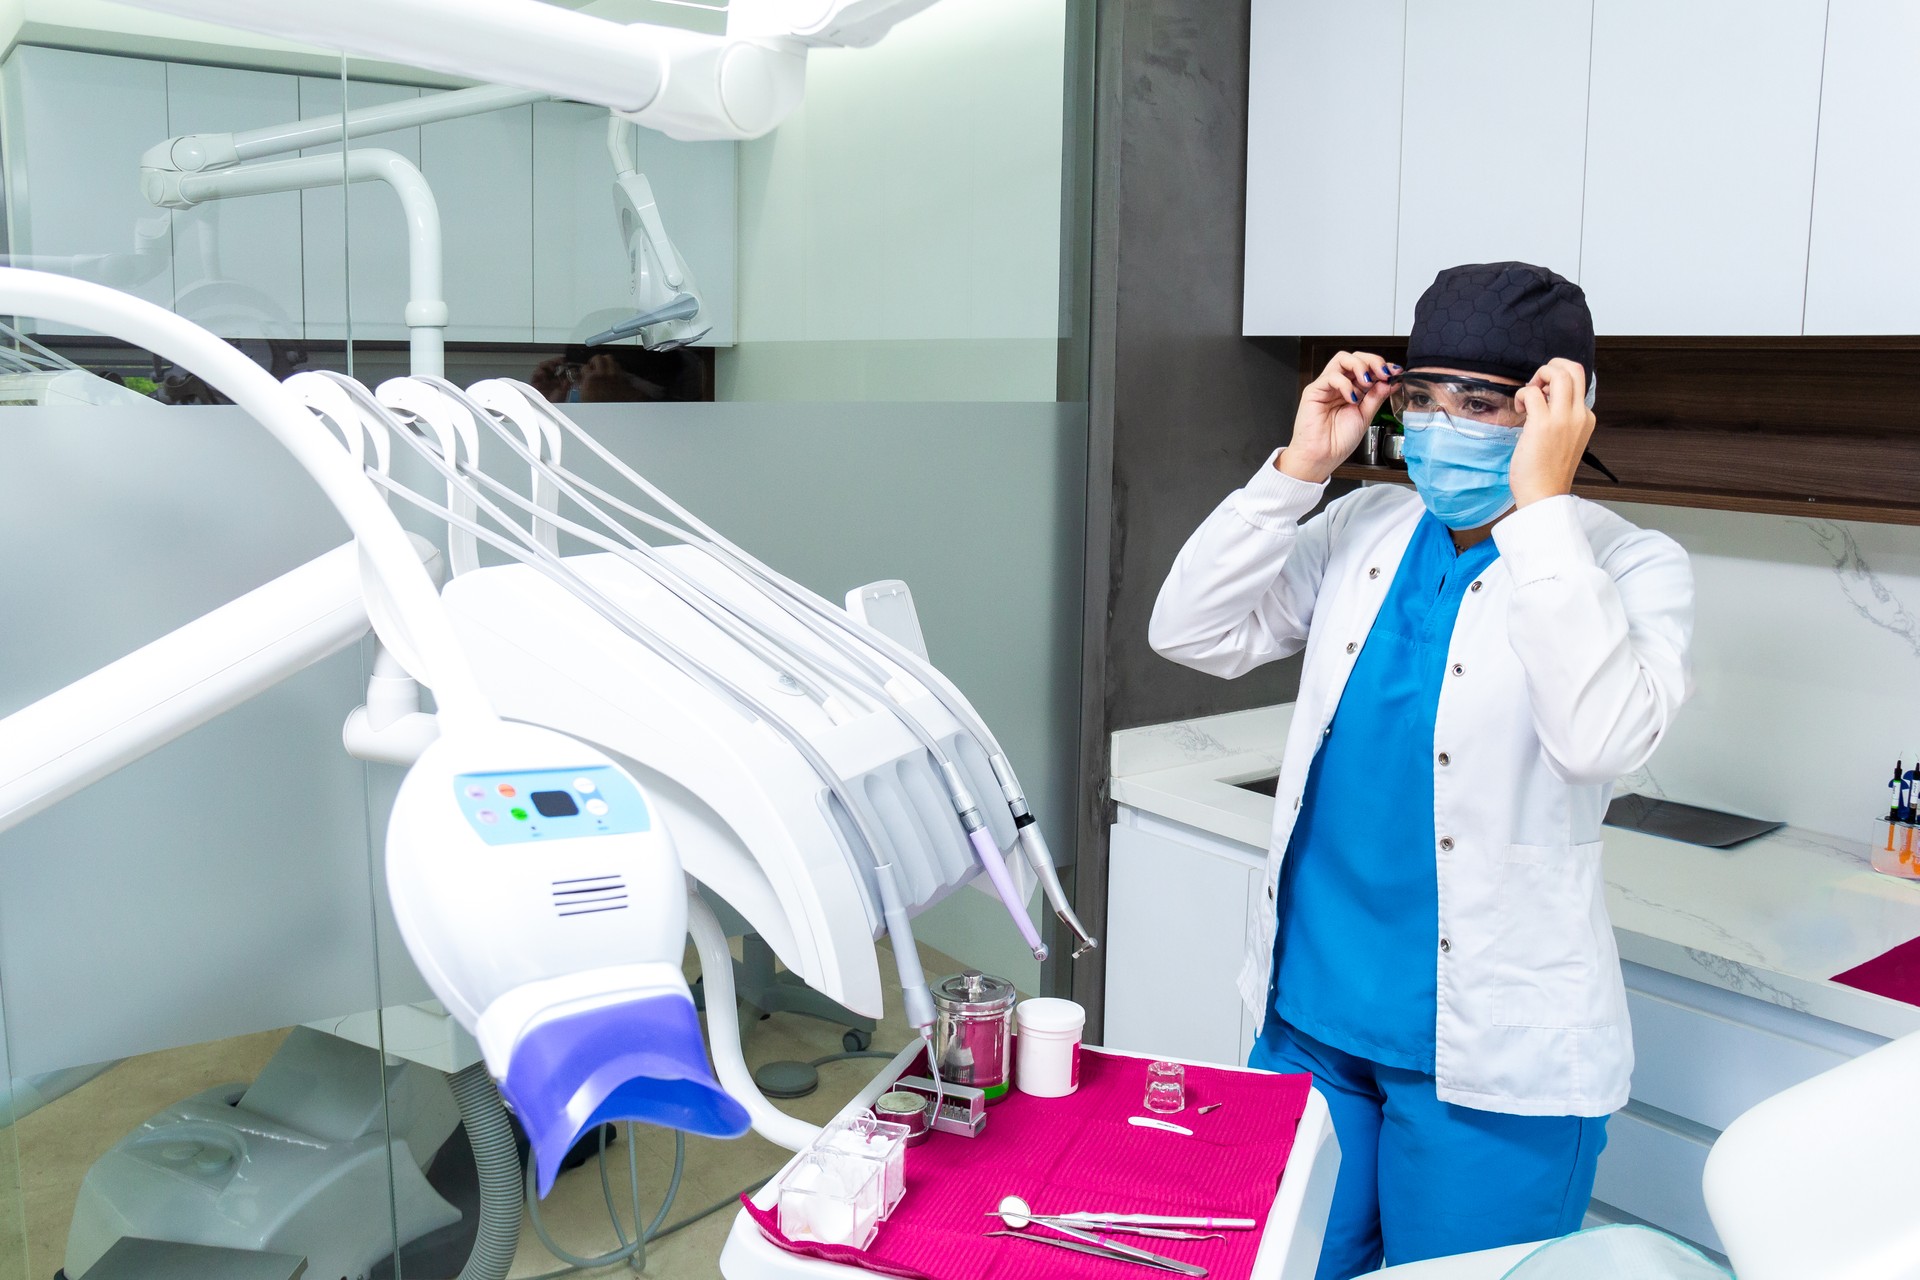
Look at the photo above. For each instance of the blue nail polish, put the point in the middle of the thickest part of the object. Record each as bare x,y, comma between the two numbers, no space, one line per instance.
1351,396
1367,378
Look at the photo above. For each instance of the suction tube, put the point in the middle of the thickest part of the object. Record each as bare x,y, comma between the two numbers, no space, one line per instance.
807,607
525,548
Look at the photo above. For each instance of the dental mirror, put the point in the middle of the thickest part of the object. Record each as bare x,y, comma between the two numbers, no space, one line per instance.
1015,1212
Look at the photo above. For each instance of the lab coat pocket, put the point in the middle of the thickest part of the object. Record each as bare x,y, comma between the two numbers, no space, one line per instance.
1552,942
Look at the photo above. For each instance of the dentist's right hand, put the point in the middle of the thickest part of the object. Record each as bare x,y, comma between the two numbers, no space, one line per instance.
1334,412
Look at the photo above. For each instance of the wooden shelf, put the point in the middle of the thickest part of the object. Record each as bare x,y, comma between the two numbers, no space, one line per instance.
1825,428
1710,499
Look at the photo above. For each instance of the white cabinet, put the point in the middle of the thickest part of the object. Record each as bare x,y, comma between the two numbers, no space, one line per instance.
236,263
1323,168
481,172
1702,1056
1863,273
580,273
368,225
76,125
1700,147
1177,911
1489,172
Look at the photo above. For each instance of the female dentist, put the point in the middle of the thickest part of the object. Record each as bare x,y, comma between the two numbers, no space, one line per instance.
1485,654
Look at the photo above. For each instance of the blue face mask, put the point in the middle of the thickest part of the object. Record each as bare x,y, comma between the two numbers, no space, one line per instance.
1462,478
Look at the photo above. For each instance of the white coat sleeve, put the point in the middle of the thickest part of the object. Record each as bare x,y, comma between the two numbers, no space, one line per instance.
1242,591
1604,647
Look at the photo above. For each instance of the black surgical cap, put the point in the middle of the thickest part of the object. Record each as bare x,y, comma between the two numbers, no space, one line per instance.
1500,318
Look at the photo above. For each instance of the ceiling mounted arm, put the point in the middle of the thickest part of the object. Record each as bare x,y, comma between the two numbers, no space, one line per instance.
687,84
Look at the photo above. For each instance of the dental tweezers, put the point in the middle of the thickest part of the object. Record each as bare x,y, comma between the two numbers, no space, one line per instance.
1113,1255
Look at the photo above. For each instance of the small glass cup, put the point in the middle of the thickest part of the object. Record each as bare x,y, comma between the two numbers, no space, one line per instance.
1166,1087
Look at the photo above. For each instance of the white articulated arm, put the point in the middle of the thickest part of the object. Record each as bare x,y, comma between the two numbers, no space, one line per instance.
666,299
687,84
205,152
426,314
401,599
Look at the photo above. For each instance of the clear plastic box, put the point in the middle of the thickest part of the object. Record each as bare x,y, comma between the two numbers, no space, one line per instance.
882,1141
1894,849
832,1198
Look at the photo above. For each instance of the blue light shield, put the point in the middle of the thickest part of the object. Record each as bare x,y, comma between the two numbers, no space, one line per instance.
642,1060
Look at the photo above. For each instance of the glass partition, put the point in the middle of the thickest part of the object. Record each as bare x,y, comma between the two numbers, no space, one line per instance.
842,345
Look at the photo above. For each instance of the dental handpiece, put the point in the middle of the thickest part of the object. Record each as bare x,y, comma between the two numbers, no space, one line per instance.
1034,845
989,853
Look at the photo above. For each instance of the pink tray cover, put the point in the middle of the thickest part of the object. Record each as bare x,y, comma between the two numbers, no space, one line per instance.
1079,1152
1894,974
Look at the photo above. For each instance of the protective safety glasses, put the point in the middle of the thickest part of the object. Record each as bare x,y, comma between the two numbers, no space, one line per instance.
1474,406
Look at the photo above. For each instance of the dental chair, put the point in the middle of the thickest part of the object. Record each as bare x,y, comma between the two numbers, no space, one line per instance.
1815,1183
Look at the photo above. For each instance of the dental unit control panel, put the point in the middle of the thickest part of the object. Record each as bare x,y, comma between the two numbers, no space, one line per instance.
551,804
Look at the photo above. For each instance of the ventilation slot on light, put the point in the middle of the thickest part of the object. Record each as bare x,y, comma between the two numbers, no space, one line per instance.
588,895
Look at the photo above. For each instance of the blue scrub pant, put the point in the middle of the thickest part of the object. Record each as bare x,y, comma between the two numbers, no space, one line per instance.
1421,1178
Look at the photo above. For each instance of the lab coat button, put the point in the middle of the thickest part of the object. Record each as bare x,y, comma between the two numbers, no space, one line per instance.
1446,844
1459,670
1475,587
1373,573
1352,647
1269,893
1445,945
1445,759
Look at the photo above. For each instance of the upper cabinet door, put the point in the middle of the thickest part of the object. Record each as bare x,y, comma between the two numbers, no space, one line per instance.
1700,149
236,263
1494,139
481,172
1863,272
1323,165
76,126
369,225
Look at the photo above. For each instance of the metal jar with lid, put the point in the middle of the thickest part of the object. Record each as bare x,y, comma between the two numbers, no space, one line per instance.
973,1033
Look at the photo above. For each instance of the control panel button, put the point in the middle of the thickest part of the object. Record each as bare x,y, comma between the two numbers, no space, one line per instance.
544,806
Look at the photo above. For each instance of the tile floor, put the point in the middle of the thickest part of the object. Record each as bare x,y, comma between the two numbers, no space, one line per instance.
58,1143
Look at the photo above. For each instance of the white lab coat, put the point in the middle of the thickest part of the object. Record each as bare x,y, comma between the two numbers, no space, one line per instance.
1568,661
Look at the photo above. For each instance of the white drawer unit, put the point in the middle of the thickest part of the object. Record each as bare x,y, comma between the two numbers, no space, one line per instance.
1702,1056
1651,1171
1178,902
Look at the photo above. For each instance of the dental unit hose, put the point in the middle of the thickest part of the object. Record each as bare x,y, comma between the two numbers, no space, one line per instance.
964,806
809,609
915,996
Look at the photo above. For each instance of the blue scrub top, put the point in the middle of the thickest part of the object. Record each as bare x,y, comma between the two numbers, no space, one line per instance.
1360,900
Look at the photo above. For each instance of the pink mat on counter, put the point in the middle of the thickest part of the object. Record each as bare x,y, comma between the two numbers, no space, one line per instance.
1894,974
1079,1152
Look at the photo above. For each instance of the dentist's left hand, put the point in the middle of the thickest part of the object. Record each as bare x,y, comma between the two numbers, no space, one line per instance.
1558,426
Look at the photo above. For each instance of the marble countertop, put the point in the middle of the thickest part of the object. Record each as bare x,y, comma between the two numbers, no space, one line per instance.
1774,918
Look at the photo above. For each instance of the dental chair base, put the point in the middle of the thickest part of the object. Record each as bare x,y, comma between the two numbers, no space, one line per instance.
295,1163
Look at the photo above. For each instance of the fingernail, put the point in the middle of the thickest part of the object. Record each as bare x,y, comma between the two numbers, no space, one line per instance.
1366,377
1351,396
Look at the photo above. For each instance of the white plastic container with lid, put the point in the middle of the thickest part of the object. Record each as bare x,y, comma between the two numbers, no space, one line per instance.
1048,1057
